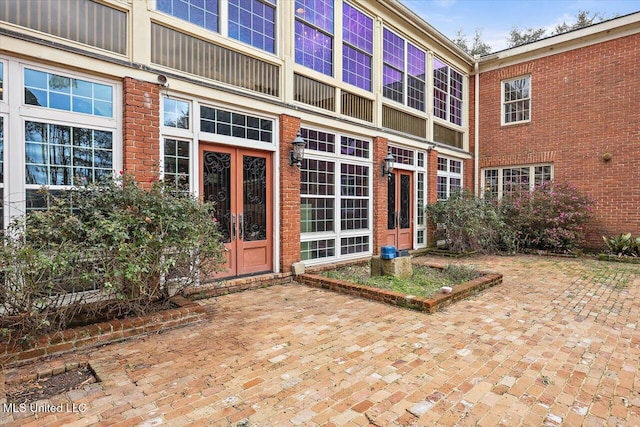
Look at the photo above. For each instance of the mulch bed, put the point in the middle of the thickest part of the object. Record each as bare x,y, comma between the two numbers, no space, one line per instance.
47,387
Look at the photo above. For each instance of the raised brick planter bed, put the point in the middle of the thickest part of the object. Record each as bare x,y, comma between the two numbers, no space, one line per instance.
102,333
429,305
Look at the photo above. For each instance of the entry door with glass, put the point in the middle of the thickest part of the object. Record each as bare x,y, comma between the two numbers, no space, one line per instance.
238,182
399,210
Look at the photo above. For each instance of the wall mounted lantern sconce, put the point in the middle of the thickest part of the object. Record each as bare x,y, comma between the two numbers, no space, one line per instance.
387,166
297,154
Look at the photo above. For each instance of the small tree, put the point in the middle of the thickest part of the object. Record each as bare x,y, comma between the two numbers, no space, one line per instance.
475,48
115,249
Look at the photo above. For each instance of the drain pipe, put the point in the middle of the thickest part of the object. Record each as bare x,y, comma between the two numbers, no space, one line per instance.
476,148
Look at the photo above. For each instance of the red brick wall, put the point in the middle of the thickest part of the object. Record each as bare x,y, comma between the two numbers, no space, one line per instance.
289,196
141,128
380,196
585,103
432,193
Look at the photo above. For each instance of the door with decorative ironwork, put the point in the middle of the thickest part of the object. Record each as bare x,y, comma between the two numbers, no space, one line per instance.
399,210
238,182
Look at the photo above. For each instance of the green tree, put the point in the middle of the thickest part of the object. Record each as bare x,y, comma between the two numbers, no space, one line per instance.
518,37
473,48
583,19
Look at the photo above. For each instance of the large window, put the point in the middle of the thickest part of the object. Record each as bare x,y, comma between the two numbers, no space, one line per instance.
449,177
516,100
499,182
70,128
357,49
335,192
177,135
250,21
199,12
447,92
68,94
253,22
314,35
403,71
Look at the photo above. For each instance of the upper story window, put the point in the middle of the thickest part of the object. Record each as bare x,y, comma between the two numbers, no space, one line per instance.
447,92
203,13
253,22
357,49
314,35
68,94
403,71
516,100
449,177
250,21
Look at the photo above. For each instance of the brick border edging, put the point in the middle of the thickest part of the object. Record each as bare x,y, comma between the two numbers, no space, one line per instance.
429,305
103,333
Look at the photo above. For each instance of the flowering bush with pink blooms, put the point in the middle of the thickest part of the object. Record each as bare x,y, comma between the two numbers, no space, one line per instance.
551,217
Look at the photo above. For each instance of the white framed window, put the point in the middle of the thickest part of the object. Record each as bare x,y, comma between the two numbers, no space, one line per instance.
70,132
335,196
176,148
449,177
499,182
516,100
448,92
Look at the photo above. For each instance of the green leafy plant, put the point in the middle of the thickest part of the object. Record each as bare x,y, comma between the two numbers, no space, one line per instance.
467,223
551,217
110,250
623,245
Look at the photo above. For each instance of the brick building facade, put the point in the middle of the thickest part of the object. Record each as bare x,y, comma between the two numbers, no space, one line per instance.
583,120
215,109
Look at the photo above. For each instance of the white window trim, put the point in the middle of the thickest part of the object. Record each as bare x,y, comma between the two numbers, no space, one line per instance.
19,113
337,234
502,100
532,179
448,174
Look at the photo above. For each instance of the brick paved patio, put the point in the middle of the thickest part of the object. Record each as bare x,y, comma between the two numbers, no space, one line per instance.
556,344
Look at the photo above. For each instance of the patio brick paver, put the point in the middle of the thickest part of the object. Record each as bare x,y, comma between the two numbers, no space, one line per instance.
556,344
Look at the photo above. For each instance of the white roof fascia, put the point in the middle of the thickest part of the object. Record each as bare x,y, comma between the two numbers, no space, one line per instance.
597,33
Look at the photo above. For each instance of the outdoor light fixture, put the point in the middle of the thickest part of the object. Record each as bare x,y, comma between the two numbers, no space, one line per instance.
387,166
297,154
430,147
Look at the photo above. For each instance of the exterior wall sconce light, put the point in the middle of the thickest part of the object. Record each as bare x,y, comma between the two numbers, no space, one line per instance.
430,147
297,154
387,166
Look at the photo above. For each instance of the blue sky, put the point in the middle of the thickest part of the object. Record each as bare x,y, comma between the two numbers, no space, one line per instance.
495,18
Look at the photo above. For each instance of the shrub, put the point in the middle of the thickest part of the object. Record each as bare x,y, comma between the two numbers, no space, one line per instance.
114,249
551,217
467,223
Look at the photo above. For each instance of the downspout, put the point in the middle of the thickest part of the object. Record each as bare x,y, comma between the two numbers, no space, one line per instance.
476,136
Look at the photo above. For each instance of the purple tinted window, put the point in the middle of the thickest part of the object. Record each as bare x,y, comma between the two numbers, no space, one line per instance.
314,49
392,83
357,29
253,22
416,62
318,13
356,68
393,50
357,51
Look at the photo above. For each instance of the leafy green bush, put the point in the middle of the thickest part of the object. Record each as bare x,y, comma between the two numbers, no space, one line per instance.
551,217
109,250
623,245
467,223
